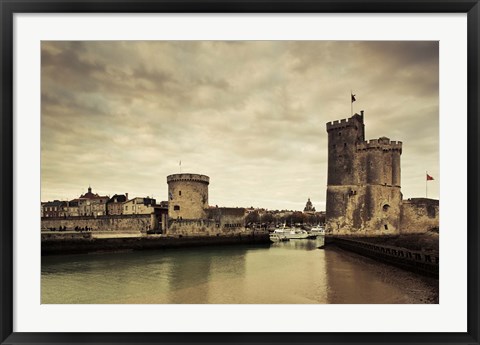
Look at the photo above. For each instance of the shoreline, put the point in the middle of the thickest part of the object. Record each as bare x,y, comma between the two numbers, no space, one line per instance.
400,251
84,243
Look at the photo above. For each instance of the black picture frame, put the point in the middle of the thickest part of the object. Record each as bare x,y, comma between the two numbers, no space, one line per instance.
9,8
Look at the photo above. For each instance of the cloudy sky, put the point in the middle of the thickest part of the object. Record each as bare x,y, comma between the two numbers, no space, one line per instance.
121,115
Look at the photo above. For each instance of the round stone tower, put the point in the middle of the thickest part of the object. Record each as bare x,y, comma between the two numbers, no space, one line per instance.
187,196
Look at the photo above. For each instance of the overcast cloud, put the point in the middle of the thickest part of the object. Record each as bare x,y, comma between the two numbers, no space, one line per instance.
120,116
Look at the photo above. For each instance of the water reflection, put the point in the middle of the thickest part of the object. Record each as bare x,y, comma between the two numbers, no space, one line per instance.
190,279
285,272
353,279
309,244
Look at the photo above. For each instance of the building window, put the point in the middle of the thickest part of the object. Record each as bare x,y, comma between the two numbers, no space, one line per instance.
339,134
386,227
176,208
180,192
344,144
386,207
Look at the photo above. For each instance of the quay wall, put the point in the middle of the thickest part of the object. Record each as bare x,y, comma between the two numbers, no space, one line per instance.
137,222
62,236
91,245
426,263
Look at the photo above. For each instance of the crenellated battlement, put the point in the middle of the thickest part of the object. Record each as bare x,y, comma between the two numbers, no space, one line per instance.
344,123
188,177
382,143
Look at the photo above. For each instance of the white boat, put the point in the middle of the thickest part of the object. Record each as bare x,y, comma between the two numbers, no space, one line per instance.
292,233
317,231
275,237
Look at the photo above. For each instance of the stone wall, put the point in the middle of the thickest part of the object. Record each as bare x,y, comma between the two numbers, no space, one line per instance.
419,215
141,222
369,210
343,136
201,227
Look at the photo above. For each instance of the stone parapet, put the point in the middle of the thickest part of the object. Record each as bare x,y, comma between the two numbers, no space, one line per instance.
188,177
344,123
383,144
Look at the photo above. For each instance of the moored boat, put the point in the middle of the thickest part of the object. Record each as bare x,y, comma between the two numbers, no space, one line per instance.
292,233
317,230
276,237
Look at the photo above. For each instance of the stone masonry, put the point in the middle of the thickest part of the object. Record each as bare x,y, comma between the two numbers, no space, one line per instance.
363,192
363,188
189,213
418,215
187,196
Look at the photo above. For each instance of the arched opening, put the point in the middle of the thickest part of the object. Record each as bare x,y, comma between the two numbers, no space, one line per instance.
386,207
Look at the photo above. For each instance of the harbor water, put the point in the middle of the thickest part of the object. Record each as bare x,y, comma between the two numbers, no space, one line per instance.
280,273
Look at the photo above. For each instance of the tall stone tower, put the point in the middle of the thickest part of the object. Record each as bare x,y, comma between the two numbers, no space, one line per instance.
363,192
187,196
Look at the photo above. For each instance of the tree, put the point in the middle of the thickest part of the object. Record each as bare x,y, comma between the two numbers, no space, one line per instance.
268,218
252,218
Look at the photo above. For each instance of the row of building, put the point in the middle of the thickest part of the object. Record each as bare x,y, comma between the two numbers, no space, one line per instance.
92,205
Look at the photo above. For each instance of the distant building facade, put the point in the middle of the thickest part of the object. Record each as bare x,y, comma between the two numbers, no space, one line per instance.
139,206
90,204
115,204
53,209
71,208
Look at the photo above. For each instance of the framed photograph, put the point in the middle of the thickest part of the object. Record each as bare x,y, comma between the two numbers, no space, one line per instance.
263,172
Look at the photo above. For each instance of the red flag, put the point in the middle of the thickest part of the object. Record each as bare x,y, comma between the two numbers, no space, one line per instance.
429,178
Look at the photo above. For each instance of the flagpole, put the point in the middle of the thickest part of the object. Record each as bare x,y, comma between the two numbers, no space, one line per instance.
351,103
426,184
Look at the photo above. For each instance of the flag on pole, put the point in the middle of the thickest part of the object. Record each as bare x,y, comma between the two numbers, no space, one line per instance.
429,178
353,98
180,163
